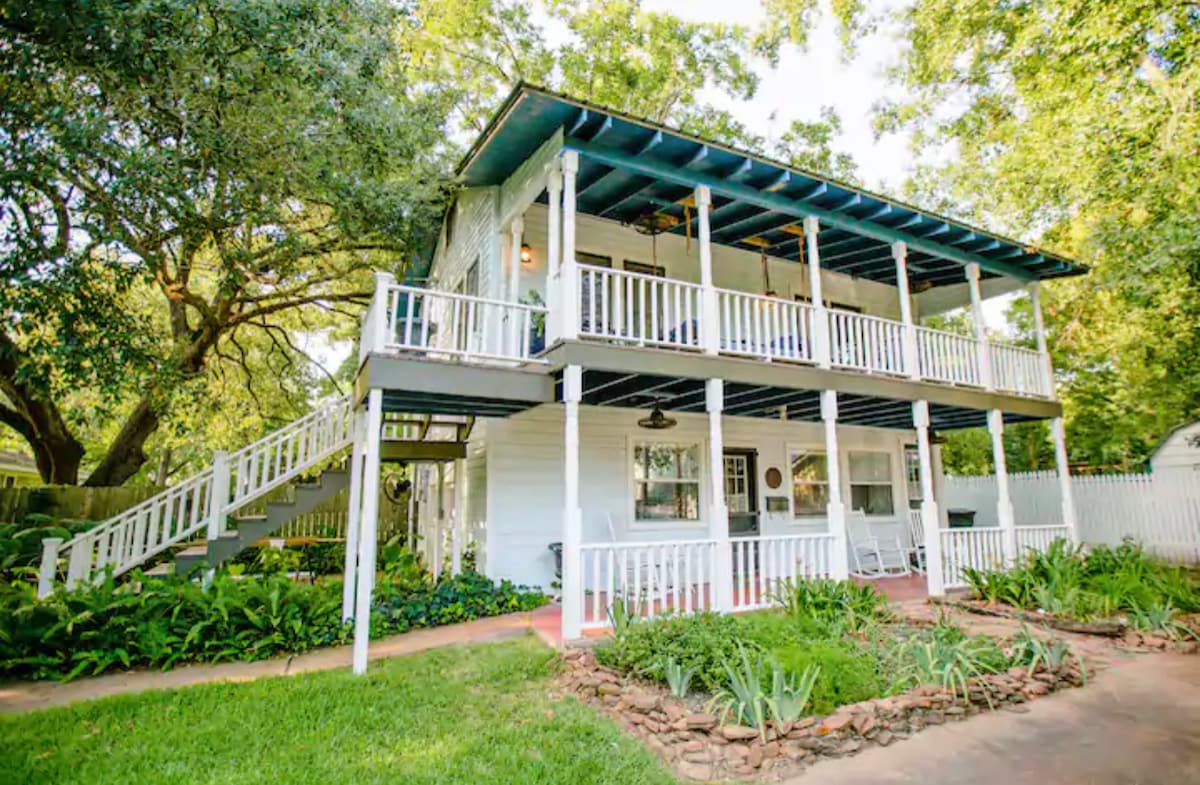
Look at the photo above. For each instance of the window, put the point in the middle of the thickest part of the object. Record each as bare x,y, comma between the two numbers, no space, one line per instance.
810,484
912,476
666,481
871,483
593,259
804,298
737,483
657,270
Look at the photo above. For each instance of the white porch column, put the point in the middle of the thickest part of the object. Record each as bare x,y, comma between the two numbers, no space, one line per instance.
458,523
710,320
438,549
1004,507
513,328
1059,430
353,515
572,537
985,352
1039,329
718,510
410,518
553,261
912,362
840,566
930,520
369,530
820,316
569,287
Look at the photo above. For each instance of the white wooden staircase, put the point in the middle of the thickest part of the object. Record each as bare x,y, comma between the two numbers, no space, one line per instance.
202,505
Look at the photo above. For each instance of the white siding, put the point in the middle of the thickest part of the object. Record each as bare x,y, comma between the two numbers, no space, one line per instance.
1180,451
524,467
477,493
732,268
475,237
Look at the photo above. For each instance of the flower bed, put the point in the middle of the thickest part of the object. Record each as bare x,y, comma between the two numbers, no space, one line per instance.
827,674
1101,591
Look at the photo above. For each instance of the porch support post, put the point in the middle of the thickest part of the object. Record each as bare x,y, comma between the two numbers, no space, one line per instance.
839,563
459,520
718,511
353,515
930,521
514,289
369,530
710,325
553,262
1059,430
1004,507
438,549
912,364
1039,329
985,352
568,286
572,537
820,316
410,519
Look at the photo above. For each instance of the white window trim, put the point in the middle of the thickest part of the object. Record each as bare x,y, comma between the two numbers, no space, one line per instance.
890,483
808,517
701,522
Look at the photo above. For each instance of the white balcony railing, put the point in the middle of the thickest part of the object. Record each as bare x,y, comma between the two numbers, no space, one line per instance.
948,357
866,343
447,325
1018,370
640,309
766,327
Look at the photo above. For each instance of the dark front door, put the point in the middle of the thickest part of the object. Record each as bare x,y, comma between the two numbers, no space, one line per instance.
741,492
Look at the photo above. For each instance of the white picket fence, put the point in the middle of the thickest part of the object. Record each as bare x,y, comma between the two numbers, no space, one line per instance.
1162,511
761,565
648,578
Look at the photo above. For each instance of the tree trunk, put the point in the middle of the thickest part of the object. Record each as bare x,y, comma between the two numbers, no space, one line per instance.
56,451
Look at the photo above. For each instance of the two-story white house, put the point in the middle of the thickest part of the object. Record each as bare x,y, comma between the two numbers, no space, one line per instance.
688,371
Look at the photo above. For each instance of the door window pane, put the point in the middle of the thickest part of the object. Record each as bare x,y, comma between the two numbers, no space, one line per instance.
810,484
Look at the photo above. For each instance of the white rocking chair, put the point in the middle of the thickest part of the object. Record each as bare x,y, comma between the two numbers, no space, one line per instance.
916,541
875,555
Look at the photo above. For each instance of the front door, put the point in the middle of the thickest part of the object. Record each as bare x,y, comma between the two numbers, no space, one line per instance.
741,495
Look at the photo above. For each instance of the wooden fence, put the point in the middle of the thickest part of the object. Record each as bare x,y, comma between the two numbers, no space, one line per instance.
1162,511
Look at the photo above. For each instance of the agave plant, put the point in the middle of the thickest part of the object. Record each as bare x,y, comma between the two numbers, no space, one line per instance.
1032,652
743,698
1161,617
948,659
679,678
790,694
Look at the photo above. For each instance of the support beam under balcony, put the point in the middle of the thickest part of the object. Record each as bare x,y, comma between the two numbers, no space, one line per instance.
572,515
718,511
930,519
369,530
1059,431
836,509
1004,506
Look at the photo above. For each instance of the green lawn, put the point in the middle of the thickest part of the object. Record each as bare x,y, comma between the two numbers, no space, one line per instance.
460,715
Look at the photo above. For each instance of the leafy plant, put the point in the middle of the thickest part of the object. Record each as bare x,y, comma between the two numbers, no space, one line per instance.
1030,651
679,678
846,602
1161,617
948,658
742,697
790,693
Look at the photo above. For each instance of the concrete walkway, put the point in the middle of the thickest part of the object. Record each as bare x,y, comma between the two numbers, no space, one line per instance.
28,695
1136,723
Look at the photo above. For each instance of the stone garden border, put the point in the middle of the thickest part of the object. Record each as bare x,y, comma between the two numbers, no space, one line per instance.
698,747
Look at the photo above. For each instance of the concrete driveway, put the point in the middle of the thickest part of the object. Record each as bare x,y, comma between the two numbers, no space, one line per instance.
1136,723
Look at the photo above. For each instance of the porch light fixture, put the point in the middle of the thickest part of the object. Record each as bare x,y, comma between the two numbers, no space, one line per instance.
657,421
526,253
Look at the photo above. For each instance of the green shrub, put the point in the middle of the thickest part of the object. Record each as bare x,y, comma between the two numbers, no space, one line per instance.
161,623
844,604
703,642
850,672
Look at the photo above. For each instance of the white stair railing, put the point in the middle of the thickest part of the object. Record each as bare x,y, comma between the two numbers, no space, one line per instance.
766,327
184,510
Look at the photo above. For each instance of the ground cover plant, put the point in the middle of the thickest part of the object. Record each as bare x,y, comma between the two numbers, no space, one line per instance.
456,716
1100,582
166,622
828,644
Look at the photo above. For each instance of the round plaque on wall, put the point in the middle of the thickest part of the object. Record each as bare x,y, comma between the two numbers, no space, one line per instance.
774,478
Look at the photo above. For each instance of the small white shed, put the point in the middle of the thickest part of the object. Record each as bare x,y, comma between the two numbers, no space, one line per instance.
1180,450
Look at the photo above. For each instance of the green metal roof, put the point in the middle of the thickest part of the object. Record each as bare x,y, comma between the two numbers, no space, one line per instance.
631,167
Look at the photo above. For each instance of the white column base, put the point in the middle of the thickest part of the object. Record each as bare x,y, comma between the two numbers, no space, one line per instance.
839,567
931,524
572,577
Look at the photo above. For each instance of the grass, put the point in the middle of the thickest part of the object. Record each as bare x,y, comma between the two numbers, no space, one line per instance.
459,715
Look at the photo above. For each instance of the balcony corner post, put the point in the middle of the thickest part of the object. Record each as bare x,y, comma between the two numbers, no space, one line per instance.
820,316
710,320
553,250
909,351
379,308
1070,520
569,283
930,519
1004,505
1039,328
981,341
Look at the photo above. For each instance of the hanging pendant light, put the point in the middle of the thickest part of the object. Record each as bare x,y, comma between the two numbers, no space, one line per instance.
657,421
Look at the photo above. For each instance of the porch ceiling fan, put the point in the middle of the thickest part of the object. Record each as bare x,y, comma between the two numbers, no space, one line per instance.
657,421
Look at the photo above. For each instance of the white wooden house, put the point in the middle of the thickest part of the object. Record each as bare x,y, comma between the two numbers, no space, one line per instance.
599,274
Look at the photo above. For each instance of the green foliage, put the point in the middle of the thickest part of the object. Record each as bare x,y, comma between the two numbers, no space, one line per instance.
678,678
850,671
790,692
742,698
834,602
1032,652
162,623
1104,581
947,658
703,642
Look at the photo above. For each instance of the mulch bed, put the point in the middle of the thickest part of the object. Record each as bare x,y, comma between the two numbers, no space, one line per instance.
698,747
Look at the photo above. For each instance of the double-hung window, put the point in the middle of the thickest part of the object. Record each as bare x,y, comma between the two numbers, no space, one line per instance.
810,484
666,479
871,483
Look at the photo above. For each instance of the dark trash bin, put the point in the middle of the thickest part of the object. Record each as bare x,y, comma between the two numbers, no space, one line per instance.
556,549
961,519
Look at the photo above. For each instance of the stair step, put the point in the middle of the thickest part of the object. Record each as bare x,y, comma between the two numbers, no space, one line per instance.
253,518
164,570
193,551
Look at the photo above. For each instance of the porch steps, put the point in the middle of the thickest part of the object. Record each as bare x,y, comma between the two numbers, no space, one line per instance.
250,529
